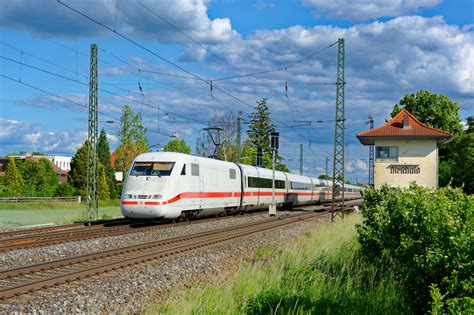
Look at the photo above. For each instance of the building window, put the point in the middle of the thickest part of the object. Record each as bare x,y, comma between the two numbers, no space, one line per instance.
386,153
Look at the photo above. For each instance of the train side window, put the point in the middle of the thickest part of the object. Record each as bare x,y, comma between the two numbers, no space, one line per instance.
183,171
232,173
194,169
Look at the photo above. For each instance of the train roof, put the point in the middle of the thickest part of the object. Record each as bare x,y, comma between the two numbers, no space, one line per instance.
252,170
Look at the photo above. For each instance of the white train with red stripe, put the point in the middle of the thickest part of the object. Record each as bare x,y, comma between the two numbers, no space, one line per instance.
171,185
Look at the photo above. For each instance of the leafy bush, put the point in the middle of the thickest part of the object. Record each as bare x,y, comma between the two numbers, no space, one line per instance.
64,190
426,236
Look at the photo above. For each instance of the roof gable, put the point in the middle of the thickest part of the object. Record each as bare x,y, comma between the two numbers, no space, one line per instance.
403,125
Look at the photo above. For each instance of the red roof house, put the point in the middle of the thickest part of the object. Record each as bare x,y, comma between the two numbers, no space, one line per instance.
403,125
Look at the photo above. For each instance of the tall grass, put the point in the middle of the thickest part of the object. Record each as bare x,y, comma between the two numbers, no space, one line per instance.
321,272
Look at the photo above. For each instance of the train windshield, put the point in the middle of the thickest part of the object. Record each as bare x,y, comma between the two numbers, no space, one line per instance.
152,168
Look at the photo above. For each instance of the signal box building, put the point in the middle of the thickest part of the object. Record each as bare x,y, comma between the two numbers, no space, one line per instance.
405,151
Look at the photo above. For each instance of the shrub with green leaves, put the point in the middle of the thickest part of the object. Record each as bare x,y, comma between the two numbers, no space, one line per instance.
426,235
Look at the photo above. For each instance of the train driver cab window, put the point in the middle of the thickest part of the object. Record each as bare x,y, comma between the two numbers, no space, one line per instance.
386,153
194,169
183,171
152,169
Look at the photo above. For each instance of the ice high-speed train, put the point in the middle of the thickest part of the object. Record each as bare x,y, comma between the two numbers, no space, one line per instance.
168,185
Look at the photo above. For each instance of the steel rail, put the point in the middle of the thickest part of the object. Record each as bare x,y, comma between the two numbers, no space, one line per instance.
78,232
36,277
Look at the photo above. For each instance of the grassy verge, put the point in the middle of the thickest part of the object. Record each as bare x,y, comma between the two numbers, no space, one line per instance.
38,205
25,214
320,272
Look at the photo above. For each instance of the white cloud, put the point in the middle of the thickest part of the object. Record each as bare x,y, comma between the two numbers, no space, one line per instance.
358,165
190,16
368,9
18,136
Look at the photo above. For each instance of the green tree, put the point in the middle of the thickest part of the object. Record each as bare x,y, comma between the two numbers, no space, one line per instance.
103,151
132,137
456,167
29,171
260,128
77,177
324,176
47,179
435,110
103,188
64,190
39,177
177,145
13,180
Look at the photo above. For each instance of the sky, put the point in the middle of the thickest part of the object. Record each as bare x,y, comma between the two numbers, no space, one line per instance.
159,57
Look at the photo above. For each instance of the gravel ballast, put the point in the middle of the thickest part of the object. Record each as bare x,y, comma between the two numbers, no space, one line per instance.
129,289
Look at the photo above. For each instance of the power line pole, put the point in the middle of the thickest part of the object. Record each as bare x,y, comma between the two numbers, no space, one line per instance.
92,210
337,206
301,159
327,165
239,149
371,156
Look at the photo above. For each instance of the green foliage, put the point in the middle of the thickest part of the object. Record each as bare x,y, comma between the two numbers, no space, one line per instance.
426,236
457,161
64,190
177,145
77,177
324,176
14,182
103,150
436,110
132,137
102,187
261,126
317,273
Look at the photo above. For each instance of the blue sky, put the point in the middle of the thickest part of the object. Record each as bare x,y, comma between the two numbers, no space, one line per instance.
392,48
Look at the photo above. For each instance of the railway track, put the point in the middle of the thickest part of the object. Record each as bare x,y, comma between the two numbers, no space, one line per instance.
78,232
44,236
24,280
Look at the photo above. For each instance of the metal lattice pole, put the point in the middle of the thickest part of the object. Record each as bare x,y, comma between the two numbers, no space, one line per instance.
239,148
92,210
301,159
371,157
337,206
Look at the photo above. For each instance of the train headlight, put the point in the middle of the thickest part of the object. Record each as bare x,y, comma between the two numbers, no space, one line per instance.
128,196
156,197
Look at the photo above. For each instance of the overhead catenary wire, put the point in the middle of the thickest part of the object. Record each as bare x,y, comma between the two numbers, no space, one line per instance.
187,71
100,89
52,94
179,67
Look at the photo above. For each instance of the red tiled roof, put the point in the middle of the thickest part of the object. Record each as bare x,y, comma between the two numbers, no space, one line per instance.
395,129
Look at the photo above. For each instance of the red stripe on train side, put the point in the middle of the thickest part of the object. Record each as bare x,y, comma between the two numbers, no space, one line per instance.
152,203
129,202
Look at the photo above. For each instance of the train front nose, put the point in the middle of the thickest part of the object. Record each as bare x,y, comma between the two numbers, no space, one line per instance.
141,206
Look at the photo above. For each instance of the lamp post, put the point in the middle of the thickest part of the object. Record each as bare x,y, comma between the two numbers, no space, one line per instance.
274,144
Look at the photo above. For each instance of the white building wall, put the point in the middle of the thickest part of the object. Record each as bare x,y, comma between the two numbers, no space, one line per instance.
417,162
63,162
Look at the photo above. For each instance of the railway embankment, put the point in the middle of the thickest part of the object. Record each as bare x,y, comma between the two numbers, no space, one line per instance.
129,289
409,250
